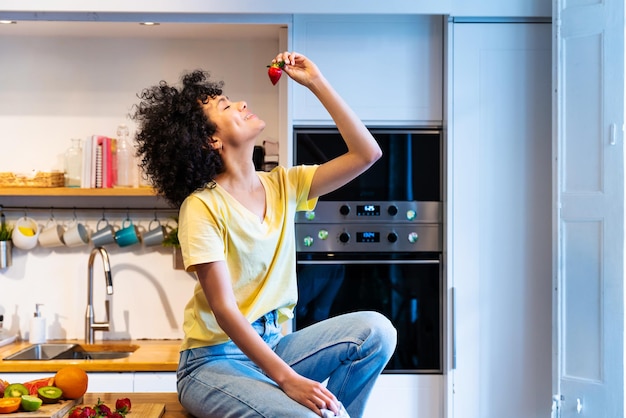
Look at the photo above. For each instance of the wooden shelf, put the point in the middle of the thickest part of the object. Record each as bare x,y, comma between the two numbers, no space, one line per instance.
76,192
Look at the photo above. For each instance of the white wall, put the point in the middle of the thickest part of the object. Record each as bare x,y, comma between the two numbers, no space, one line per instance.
53,88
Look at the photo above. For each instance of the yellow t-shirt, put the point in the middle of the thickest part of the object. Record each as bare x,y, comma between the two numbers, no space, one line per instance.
260,256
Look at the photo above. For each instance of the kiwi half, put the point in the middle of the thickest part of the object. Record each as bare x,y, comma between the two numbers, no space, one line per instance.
50,394
15,390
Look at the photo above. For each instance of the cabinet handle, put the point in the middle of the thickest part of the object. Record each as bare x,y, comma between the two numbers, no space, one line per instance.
613,134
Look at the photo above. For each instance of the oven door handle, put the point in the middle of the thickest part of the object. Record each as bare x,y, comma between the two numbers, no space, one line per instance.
319,262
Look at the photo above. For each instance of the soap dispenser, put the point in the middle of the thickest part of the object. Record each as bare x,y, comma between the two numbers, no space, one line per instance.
37,333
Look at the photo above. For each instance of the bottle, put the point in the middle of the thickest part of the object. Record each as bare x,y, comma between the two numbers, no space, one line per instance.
73,164
37,334
125,158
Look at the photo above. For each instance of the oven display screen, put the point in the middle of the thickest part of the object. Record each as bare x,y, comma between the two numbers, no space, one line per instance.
368,237
368,210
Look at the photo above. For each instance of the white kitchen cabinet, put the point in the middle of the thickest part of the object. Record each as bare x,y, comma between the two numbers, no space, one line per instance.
499,220
110,382
155,382
237,7
499,8
98,382
389,69
406,395
24,377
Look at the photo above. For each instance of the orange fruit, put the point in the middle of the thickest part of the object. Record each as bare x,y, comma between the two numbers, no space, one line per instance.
8,405
72,380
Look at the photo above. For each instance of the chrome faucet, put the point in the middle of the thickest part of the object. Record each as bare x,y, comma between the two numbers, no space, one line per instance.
90,324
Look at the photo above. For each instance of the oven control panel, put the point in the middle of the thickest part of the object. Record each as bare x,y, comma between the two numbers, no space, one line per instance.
375,211
371,237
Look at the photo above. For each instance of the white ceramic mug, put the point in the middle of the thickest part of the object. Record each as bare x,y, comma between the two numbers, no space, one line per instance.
51,235
25,233
76,234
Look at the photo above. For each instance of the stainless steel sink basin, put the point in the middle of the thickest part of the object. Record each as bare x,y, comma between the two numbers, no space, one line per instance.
53,351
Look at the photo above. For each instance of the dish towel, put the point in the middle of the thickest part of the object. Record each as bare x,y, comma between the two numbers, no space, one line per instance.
327,413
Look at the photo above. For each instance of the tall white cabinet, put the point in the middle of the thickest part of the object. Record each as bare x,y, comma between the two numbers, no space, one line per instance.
499,220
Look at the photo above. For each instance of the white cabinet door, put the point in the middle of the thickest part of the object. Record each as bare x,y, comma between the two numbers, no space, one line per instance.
110,382
155,382
498,8
499,220
389,69
589,211
406,395
24,377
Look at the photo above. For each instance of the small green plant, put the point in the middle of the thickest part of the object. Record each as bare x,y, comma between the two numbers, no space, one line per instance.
5,231
171,238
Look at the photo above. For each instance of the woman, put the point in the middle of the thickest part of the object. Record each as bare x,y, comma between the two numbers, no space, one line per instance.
236,234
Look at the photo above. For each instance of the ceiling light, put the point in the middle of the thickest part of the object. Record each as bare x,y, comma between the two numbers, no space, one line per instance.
149,23
7,22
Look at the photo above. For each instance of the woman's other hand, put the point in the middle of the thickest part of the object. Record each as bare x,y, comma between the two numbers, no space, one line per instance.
311,394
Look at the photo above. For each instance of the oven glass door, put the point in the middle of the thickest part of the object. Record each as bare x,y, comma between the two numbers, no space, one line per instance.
410,168
408,292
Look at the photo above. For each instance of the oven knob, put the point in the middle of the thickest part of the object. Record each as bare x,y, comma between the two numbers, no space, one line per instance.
392,237
413,237
307,241
322,234
344,237
392,210
344,210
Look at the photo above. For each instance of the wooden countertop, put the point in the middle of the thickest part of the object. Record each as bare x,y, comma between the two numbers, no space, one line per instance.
149,355
173,409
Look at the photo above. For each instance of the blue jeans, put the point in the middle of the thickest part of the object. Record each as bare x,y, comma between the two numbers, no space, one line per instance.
349,350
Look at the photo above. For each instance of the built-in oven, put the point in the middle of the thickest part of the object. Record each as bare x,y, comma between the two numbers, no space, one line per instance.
377,243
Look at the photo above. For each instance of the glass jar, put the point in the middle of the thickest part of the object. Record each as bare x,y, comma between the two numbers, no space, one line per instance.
74,164
125,158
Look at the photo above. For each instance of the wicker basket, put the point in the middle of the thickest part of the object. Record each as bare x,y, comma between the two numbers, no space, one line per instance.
37,179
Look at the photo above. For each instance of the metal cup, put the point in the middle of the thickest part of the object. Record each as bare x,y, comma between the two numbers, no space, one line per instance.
6,249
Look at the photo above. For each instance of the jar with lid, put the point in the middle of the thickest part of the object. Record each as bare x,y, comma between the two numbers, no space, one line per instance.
125,158
74,164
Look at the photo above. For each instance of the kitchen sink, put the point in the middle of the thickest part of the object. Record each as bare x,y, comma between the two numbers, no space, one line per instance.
53,351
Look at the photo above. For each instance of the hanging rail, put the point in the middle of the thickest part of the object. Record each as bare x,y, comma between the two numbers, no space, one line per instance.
84,209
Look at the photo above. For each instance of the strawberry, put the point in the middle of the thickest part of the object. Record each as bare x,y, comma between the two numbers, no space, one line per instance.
75,412
275,71
122,405
88,412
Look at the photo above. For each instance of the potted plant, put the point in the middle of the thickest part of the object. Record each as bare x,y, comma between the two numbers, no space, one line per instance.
171,240
6,245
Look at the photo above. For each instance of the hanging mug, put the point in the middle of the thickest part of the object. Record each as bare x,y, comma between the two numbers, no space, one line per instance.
105,234
128,234
154,235
25,233
51,234
76,234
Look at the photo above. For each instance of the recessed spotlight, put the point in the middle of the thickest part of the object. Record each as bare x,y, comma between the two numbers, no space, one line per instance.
149,23
8,22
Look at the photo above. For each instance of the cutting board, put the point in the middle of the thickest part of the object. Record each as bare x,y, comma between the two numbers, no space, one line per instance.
51,410
60,410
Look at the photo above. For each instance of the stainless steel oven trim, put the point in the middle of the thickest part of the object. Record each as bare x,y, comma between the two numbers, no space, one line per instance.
372,261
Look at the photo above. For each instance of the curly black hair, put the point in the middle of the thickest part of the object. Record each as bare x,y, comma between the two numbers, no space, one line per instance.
174,136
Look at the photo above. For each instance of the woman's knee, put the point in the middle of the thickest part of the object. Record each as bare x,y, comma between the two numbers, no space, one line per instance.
377,328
